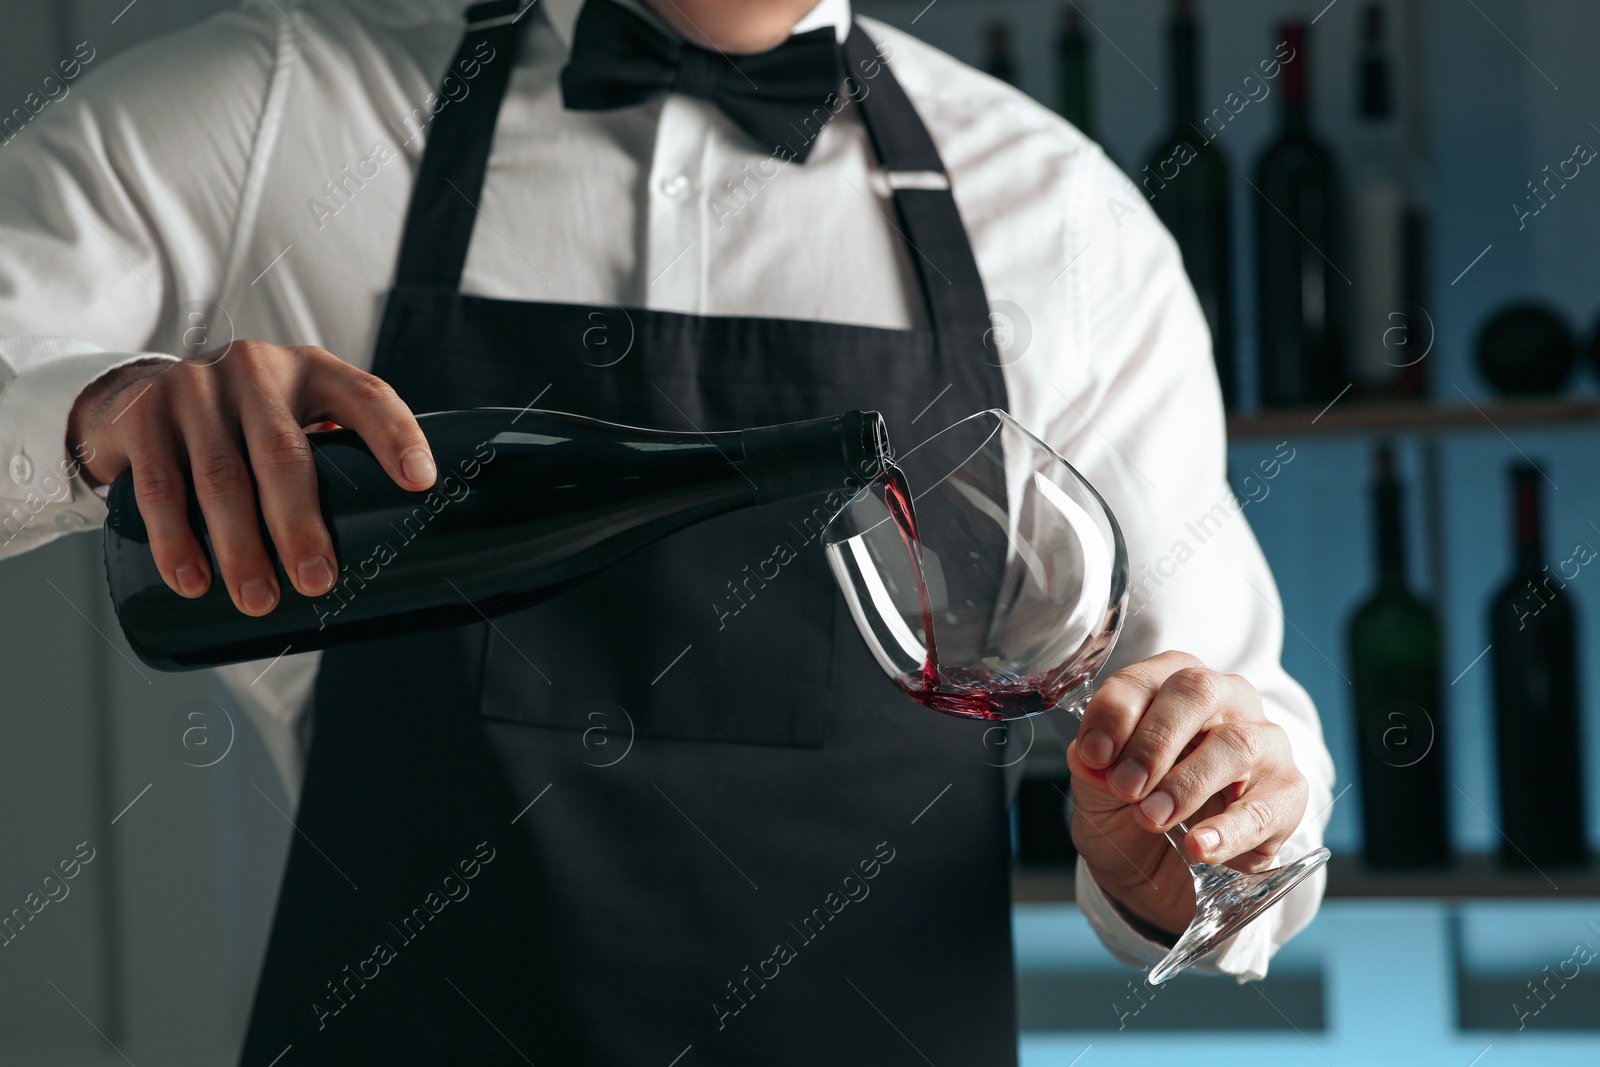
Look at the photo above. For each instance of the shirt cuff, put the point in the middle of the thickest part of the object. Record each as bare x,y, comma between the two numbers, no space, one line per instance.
41,493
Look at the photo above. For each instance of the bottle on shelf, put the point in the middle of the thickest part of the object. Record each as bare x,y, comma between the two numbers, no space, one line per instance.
1395,658
1300,287
1380,346
1534,661
527,503
1186,178
1074,72
1044,834
998,61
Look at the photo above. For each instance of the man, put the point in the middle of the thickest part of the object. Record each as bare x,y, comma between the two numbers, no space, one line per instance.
688,213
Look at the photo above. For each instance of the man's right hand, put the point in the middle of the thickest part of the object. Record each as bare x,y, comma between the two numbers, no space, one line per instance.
220,417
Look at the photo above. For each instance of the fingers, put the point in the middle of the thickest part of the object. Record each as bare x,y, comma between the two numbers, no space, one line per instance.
161,491
369,406
286,481
227,499
1190,700
1234,753
1118,705
1253,827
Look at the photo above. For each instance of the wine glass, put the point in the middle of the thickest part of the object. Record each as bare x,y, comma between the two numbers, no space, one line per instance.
990,581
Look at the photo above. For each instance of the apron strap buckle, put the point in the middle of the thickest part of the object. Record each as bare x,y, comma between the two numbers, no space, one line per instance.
918,179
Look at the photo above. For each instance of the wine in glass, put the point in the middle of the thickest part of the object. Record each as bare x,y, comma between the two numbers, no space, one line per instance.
990,581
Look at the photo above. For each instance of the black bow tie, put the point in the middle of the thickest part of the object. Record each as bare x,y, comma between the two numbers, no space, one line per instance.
781,98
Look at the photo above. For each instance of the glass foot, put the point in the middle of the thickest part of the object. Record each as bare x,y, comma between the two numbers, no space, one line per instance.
1226,901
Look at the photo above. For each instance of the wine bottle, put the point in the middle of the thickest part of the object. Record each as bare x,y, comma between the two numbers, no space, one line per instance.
1395,662
1378,207
998,62
1535,666
1300,290
1187,179
527,503
1074,72
1043,833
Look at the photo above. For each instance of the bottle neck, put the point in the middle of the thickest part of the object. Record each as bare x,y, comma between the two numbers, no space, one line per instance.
1529,529
841,453
1391,537
1296,110
1374,101
1183,43
1074,55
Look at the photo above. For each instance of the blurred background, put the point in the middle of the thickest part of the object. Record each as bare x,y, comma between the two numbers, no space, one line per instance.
1393,236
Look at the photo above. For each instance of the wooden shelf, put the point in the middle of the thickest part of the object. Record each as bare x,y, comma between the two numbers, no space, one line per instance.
1473,877
1356,418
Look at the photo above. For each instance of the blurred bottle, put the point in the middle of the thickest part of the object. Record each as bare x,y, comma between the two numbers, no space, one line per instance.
1300,293
1395,664
1187,180
1379,348
998,61
1535,663
1074,73
1043,831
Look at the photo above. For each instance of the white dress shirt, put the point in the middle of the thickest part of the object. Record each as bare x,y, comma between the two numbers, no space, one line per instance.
262,161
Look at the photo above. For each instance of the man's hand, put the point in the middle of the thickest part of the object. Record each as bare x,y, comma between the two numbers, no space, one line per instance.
1164,741
221,418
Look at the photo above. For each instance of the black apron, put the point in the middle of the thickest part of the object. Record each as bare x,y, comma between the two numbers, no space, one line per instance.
677,811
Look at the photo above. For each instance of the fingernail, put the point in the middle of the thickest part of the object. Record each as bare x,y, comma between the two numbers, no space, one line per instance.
1095,747
257,596
315,573
1128,777
418,467
1208,839
1157,807
191,579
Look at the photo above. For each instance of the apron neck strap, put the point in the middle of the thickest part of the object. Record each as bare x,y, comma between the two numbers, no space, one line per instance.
936,238
455,155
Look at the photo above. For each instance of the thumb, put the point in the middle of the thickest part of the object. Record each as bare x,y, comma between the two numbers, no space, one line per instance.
1089,790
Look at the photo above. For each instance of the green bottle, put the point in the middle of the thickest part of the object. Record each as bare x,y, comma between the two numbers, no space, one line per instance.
1395,659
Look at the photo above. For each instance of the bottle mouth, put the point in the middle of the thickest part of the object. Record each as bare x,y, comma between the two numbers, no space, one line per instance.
875,446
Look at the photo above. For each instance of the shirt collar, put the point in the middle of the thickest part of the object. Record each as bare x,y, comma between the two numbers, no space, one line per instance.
563,16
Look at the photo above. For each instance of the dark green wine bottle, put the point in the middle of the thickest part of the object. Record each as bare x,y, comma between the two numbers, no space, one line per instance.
1395,659
1186,178
1535,665
998,61
1300,294
527,504
1074,74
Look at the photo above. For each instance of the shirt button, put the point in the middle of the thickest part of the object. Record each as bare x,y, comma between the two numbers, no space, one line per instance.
675,187
21,468
70,520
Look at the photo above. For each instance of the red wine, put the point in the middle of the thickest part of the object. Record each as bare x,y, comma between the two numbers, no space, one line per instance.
527,504
1535,668
963,692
